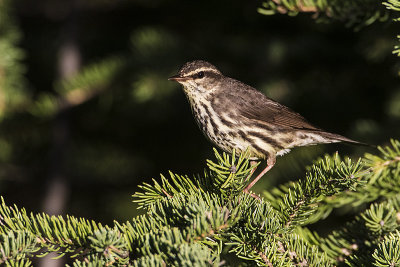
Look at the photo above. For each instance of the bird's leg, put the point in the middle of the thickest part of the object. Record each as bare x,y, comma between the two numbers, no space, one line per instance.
252,163
270,164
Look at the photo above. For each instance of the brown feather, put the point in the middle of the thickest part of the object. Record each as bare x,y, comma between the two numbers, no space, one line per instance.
265,109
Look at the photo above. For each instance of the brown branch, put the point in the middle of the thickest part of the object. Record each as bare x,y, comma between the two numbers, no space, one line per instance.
76,97
295,210
265,259
166,193
300,6
304,8
388,162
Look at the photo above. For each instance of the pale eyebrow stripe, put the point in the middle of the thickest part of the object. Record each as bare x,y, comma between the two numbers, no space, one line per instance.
202,69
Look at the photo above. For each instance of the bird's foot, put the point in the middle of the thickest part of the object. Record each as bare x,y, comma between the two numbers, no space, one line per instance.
252,194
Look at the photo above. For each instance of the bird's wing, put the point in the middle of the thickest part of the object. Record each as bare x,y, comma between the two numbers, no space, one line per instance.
270,111
256,106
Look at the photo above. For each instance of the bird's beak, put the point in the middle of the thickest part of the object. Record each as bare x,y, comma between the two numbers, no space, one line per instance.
177,78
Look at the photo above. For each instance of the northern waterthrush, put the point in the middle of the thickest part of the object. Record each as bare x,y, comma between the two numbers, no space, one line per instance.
234,115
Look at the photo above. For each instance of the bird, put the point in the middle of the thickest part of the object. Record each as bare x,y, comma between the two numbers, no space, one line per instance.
237,117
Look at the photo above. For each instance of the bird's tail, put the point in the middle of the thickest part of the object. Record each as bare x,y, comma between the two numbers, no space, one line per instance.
339,138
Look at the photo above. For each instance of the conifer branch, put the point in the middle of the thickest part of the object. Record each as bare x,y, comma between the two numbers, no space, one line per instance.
354,13
200,222
298,201
13,91
82,87
394,5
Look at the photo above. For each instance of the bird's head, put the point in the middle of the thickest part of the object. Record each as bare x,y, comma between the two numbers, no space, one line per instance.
198,77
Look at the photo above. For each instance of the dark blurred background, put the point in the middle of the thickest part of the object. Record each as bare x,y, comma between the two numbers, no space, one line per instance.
90,113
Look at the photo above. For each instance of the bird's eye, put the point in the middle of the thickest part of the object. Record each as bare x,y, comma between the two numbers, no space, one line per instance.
200,74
